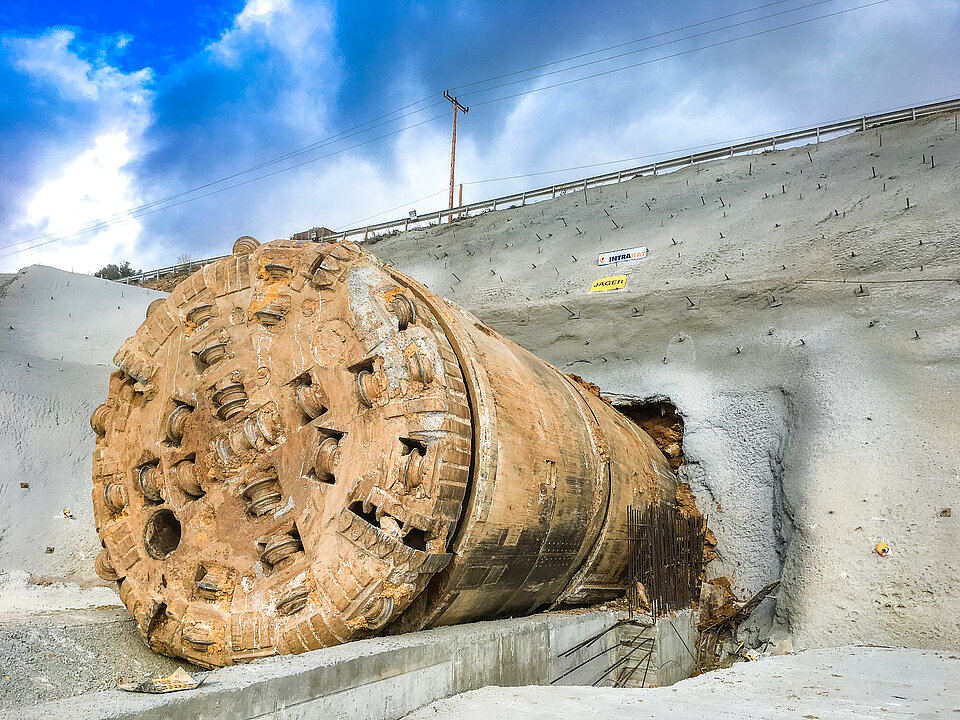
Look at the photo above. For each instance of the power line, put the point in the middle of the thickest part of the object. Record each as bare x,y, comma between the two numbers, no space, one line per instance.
358,129
618,45
653,47
151,208
680,53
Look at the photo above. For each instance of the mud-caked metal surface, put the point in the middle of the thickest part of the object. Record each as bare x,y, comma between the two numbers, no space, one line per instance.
303,446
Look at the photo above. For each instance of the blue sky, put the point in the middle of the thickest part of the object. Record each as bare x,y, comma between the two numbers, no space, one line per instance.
107,107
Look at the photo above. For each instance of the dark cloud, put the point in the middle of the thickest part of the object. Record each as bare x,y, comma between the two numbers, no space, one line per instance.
286,73
259,91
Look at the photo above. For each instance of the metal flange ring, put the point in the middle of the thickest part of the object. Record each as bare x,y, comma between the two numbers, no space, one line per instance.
280,549
175,422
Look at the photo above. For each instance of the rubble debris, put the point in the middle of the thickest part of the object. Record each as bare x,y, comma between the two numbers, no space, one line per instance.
717,646
303,446
176,681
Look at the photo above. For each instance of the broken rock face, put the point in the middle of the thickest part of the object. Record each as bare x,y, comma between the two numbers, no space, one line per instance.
303,446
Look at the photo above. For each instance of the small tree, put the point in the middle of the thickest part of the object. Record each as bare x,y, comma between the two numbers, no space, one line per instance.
115,272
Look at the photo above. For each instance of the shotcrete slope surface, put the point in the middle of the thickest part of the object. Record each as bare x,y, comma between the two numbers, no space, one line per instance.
60,331
60,633
821,417
804,321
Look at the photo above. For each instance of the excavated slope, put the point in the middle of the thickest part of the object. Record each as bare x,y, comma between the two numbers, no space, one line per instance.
817,384
805,323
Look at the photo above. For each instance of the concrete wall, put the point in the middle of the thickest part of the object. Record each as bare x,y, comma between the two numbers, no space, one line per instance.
657,654
378,678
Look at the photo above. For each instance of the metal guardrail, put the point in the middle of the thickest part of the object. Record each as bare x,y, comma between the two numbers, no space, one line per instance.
181,268
816,133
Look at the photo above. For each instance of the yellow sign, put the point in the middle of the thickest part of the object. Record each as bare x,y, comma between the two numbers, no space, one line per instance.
617,282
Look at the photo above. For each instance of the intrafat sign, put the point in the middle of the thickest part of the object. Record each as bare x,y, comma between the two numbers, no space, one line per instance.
619,256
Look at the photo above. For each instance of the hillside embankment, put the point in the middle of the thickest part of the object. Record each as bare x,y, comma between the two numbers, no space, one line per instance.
801,309
803,321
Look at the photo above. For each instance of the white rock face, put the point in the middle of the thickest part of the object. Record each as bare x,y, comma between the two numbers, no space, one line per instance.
58,333
817,422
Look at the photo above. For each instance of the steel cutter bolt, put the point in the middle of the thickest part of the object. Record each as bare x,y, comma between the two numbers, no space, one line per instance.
186,478
328,452
114,496
310,400
213,352
262,494
367,387
208,587
278,271
98,420
378,613
271,313
279,549
404,309
413,470
294,601
104,567
151,482
199,315
229,396
199,635
262,427
175,422
245,245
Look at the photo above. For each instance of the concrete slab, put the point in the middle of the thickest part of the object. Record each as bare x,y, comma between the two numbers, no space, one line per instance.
852,683
378,678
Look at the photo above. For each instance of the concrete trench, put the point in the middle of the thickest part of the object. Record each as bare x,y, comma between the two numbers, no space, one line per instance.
390,677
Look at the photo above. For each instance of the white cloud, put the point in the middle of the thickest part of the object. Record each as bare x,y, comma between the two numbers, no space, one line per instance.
271,81
92,186
285,27
89,179
50,59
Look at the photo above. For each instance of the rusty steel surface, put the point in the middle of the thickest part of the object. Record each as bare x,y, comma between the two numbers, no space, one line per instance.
303,446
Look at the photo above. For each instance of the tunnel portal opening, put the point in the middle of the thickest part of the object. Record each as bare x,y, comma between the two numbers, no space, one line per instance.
659,418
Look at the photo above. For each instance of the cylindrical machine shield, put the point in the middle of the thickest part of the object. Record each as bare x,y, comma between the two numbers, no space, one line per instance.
304,446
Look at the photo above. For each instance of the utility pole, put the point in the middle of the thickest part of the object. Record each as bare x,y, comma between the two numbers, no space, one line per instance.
453,146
